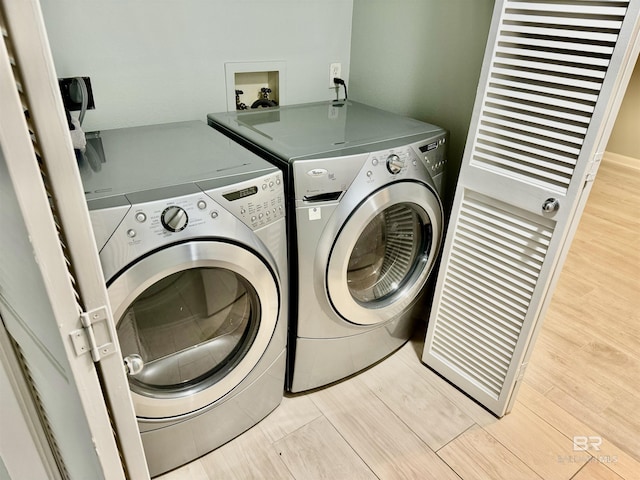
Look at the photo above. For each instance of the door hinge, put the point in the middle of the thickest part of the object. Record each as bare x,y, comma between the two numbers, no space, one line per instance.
592,169
96,335
521,370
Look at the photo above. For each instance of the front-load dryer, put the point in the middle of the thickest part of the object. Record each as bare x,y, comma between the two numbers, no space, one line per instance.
365,226
191,233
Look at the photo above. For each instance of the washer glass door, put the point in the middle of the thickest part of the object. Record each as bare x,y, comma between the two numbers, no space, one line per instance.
387,253
384,252
193,320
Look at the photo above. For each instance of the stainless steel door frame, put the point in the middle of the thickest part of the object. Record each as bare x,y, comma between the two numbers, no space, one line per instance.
425,203
198,254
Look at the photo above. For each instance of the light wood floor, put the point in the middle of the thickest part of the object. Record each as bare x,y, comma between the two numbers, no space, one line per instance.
399,420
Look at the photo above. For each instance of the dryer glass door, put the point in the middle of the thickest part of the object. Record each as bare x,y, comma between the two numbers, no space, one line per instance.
193,320
189,328
384,253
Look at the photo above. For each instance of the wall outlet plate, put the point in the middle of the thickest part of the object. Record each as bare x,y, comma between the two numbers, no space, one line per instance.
335,70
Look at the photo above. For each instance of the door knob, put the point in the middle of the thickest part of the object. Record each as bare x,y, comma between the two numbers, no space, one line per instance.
550,205
133,364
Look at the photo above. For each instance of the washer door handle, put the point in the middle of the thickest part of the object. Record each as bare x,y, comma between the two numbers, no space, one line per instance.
133,364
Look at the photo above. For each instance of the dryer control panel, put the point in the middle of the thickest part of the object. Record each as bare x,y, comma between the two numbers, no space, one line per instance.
257,202
159,217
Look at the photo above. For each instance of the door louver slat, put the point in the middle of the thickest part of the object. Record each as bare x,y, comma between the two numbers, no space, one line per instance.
545,52
490,235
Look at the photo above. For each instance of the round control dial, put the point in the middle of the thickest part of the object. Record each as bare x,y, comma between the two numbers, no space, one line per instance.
394,164
174,218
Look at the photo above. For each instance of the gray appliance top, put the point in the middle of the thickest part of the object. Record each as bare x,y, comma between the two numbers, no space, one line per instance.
136,159
322,129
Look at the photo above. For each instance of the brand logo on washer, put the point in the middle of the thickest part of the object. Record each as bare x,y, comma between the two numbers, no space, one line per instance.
317,172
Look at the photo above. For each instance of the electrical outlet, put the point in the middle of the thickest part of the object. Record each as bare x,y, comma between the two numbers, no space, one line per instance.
335,70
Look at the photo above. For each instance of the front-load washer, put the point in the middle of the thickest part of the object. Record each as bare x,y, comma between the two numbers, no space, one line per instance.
191,233
365,226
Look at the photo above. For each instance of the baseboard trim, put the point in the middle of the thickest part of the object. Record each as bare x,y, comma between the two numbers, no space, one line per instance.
622,160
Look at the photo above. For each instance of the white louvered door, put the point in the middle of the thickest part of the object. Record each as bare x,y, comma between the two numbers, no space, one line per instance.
50,272
553,77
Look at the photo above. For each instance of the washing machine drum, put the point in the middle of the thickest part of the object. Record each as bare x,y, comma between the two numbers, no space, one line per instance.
192,321
383,255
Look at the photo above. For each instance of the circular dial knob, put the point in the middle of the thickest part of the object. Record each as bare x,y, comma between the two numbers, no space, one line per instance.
174,219
394,163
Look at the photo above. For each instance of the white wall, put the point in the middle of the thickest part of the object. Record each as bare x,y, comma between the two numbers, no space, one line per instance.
157,61
421,58
624,136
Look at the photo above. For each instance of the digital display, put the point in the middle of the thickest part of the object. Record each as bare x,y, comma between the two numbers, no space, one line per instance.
431,146
237,195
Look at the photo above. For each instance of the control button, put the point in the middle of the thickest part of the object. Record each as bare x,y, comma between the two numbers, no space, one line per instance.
414,163
264,186
214,214
270,184
369,173
278,182
253,219
374,162
260,215
131,233
174,218
242,211
141,217
202,204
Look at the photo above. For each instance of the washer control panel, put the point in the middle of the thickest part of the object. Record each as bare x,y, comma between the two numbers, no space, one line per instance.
433,154
326,180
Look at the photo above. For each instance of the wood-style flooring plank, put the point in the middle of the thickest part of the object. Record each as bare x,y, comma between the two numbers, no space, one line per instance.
293,413
536,443
426,411
476,455
566,422
250,455
317,451
411,354
597,471
191,471
389,448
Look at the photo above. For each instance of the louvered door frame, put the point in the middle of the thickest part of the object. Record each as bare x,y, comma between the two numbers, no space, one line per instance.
553,77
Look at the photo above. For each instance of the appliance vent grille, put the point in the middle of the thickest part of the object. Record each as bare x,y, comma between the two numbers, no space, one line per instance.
546,74
493,269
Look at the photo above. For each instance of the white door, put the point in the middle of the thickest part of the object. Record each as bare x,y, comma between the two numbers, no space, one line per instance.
50,271
553,77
